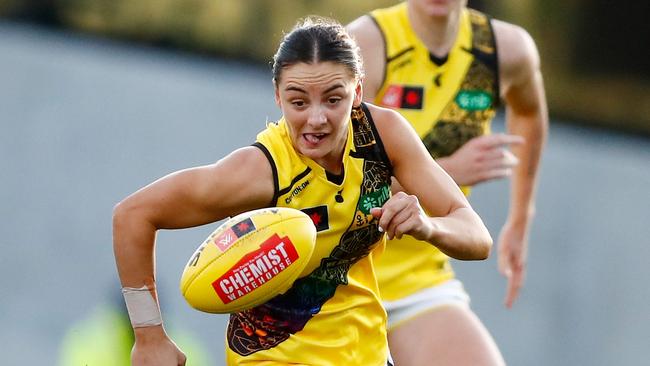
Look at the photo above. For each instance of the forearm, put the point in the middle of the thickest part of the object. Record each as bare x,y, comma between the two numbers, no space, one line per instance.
133,246
447,164
524,180
461,235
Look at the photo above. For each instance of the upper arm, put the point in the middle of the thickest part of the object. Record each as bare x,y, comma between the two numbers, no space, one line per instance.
239,182
520,74
413,166
371,44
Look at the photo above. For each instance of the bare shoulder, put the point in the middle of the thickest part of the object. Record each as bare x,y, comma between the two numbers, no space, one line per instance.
365,31
250,155
517,52
370,40
386,118
247,162
396,133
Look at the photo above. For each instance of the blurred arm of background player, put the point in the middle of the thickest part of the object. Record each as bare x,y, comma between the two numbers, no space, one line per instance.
522,89
486,157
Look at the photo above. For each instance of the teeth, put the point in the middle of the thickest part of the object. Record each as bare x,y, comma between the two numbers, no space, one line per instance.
313,138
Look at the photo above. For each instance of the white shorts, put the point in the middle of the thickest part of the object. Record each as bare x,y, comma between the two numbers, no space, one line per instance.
450,292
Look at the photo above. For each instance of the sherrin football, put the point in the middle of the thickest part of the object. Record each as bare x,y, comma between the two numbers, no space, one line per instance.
248,260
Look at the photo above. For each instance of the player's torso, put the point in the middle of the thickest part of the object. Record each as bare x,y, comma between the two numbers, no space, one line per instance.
448,102
332,316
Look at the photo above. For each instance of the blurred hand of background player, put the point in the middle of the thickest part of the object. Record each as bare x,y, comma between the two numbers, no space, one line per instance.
481,159
513,251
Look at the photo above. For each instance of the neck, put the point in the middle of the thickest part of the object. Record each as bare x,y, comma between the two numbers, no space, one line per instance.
438,33
333,163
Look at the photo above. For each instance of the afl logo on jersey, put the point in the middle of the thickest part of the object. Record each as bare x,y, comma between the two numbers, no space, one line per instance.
403,97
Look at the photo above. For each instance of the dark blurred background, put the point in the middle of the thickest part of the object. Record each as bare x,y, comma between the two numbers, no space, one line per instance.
595,58
99,97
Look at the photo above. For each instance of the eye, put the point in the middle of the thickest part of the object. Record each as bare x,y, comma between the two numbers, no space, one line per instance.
298,103
333,100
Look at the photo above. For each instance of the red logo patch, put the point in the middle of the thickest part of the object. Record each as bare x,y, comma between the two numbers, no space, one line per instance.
403,97
256,268
393,96
412,97
225,239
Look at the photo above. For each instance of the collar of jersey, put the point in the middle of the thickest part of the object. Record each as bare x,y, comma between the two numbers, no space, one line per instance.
317,168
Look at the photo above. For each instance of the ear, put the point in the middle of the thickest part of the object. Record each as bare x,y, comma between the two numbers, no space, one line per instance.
358,94
277,94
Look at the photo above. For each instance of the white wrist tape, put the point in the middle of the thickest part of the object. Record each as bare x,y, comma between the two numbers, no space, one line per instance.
142,307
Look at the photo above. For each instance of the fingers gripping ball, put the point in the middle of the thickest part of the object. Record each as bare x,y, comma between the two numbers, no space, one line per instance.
248,260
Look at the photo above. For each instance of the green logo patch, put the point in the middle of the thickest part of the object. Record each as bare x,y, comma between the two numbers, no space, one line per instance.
374,199
474,100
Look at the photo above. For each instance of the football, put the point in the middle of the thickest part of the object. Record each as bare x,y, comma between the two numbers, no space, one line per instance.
248,260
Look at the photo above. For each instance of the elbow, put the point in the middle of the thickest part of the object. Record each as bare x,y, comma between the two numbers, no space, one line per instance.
483,245
480,248
126,217
484,248
476,249
121,213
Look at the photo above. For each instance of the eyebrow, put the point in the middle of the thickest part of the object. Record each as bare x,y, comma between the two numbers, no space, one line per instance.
295,88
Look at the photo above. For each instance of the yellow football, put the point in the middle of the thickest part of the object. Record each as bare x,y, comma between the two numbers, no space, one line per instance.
248,260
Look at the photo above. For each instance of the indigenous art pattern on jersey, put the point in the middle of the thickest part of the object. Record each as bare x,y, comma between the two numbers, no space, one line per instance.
465,117
269,324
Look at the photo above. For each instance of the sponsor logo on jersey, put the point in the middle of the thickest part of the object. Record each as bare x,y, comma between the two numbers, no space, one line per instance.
319,216
412,98
226,238
256,268
404,97
296,191
393,96
474,100
374,199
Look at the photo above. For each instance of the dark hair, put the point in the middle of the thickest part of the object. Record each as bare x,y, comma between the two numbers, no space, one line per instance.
317,39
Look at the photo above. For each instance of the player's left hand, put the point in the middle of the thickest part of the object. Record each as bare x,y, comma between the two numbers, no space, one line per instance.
402,214
512,256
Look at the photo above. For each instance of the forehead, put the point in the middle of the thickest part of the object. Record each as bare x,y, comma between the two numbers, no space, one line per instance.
315,73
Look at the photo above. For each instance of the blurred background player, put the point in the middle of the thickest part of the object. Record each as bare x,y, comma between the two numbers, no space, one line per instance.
347,151
446,67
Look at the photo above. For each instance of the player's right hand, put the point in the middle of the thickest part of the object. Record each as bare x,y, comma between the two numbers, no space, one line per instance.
402,214
154,348
482,159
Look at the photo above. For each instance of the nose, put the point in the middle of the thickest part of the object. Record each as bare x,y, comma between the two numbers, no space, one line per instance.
317,116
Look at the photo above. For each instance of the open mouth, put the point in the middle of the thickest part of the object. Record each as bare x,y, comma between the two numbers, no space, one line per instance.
314,138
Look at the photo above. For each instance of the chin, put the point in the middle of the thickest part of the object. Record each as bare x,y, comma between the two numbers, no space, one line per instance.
312,153
438,11
436,8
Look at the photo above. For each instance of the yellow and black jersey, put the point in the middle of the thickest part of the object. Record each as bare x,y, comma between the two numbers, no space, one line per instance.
332,316
448,101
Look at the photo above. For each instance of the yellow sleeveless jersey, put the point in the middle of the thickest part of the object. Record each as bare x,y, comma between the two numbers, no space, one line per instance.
448,101
332,316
